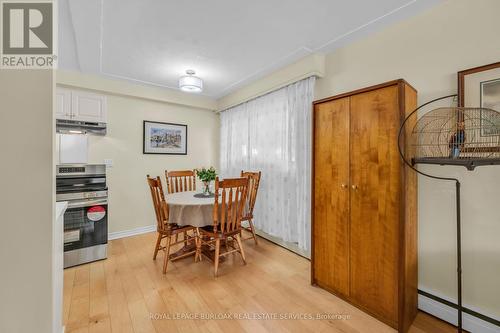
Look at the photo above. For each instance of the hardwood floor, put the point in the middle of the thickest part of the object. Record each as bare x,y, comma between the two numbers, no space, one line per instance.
128,293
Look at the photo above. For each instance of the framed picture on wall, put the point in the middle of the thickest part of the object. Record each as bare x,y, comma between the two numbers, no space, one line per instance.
480,87
164,138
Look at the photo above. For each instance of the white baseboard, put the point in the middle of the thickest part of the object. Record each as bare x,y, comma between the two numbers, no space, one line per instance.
287,245
449,314
131,232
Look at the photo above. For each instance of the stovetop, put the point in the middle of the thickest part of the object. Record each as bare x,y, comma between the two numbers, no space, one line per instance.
82,189
69,196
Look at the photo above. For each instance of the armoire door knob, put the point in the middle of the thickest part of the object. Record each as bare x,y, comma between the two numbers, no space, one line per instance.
343,186
355,187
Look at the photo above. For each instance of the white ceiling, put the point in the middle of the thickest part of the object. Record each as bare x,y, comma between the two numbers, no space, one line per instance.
229,43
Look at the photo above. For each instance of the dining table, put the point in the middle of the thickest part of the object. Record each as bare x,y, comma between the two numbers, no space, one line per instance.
190,208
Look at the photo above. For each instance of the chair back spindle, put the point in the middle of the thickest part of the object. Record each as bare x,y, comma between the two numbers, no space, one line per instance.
229,208
181,181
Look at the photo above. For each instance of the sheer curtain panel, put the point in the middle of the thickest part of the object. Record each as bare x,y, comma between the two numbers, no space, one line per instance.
272,133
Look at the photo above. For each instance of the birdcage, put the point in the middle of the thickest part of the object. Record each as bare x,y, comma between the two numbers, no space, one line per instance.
457,136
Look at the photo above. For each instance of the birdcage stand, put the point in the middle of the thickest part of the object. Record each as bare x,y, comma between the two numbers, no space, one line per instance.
459,258
457,195
432,136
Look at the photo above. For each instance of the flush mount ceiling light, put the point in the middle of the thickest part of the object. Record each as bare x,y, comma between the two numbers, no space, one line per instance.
190,83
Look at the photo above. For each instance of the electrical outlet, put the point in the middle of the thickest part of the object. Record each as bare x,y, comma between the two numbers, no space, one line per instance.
108,162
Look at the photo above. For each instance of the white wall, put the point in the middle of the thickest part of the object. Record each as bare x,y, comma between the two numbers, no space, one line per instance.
26,200
313,64
130,203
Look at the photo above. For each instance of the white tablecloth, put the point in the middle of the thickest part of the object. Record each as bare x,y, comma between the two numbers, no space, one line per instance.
185,209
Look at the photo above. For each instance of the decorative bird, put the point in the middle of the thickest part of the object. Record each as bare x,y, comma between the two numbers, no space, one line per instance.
457,140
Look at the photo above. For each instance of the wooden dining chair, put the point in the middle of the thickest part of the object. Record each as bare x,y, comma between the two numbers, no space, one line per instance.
227,214
253,188
181,181
164,228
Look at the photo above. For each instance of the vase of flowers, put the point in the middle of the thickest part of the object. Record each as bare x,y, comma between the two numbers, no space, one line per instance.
206,176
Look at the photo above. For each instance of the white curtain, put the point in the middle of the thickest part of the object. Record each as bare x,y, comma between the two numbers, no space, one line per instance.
272,134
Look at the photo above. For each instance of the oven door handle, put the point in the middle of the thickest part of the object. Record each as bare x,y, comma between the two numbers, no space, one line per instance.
87,203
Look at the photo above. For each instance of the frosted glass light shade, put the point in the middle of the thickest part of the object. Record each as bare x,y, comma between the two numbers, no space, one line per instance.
190,83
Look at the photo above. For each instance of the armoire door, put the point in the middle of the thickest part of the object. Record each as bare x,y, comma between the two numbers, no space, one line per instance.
331,195
375,201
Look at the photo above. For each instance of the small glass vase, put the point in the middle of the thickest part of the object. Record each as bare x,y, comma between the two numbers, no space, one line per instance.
206,188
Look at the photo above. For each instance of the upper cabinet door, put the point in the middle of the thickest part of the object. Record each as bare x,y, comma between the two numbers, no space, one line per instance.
375,201
87,106
63,103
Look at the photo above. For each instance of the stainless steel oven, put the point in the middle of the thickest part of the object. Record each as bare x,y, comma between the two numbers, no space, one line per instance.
85,189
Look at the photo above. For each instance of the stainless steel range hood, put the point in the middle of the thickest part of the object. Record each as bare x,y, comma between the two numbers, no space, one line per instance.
80,127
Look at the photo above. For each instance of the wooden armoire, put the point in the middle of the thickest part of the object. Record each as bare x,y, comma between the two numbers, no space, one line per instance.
364,216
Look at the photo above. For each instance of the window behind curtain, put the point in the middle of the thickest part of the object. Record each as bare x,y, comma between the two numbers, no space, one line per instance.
272,134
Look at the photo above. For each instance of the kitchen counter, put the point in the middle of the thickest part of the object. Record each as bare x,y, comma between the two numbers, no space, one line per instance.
61,207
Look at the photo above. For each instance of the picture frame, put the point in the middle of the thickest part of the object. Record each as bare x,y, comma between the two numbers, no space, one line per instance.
164,138
480,87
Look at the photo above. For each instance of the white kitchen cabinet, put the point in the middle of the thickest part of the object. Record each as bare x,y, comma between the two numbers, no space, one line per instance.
63,103
87,106
80,105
